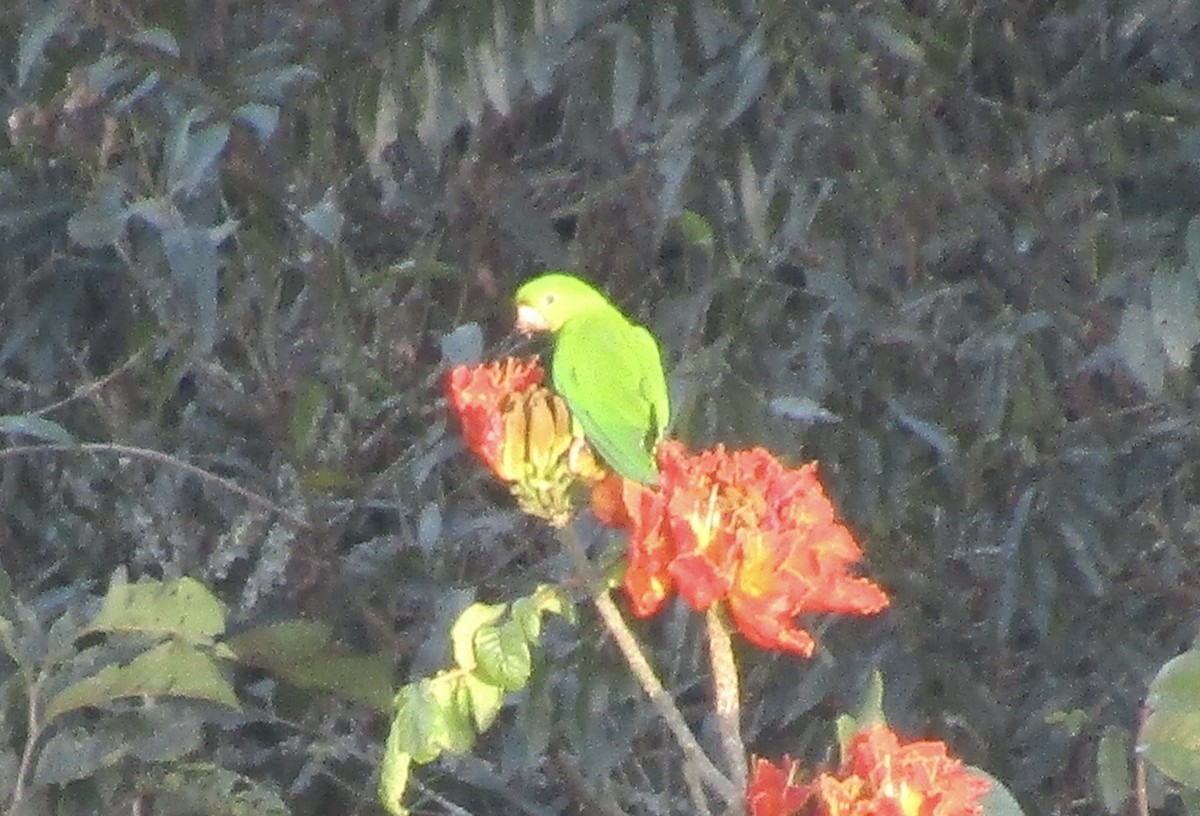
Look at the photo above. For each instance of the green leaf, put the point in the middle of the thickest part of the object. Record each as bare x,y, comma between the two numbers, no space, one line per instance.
393,778
412,725
193,153
311,399
37,35
76,753
696,230
1112,768
503,655
171,669
1140,350
463,632
998,801
37,427
325,218
451,713
528,611
195,263
201,787
486,701
183,608
1170,737
305,654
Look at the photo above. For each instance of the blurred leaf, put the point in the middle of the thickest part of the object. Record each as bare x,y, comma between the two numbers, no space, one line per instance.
201,787
1168,737
803,409
1176,310
159,38
999,800
37,427
429,527
76,753
1192,246
305,654
696,230
463,345
171,669
308,405
195,269
1140,350
895,42
183,608
36,36
193,153
667,63
626,76
262,119
103,222
1112,768
325,218
750,75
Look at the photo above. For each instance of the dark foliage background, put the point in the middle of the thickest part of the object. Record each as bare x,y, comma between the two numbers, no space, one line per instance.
949,249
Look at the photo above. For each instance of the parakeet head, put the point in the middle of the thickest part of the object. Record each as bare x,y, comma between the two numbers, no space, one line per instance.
548,301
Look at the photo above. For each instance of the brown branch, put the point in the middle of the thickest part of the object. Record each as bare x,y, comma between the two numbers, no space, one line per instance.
640,666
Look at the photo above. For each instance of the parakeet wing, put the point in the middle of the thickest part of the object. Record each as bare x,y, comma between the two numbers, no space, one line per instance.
610,373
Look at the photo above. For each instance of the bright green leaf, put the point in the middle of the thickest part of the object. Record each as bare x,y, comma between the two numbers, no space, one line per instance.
486,701
411,731
183,608
393,778
171,669
450,713
462,633
503,655
1170,737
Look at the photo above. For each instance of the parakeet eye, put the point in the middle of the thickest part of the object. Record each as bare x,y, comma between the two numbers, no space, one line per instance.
549,299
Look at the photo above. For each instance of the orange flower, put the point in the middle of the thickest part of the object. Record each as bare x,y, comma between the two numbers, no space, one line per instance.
917,779
739,526
773,790
523,431
880,777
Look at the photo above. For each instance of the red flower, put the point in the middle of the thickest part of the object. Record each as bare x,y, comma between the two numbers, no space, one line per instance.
741,527
917,779
773,790
880,777
479,395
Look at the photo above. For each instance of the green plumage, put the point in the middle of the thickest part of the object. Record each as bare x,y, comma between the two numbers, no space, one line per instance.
607,369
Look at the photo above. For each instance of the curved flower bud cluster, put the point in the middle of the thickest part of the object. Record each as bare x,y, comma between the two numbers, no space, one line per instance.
523,432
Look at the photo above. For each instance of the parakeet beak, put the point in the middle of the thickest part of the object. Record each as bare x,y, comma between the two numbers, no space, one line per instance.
530,320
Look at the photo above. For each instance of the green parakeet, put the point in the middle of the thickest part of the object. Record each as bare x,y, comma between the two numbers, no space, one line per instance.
606,368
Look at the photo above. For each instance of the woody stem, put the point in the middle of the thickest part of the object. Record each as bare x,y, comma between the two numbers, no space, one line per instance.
631,650
726,694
